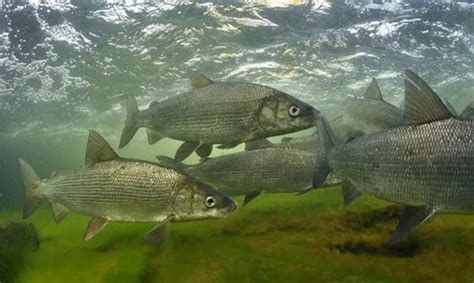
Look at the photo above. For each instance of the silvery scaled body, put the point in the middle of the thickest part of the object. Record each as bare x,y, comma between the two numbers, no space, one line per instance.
428,165
110,188
225,113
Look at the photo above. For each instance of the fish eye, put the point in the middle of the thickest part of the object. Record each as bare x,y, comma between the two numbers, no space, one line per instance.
210,201
293,111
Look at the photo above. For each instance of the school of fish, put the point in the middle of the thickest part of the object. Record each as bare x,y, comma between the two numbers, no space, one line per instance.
421,156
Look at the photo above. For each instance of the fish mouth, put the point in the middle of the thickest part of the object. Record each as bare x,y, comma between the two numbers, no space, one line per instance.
231,206
316,116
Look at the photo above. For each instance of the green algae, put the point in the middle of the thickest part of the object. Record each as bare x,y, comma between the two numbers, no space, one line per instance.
276,238
17,240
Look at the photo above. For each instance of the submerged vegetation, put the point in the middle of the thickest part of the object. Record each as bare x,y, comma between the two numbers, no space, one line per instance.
277,238
17,240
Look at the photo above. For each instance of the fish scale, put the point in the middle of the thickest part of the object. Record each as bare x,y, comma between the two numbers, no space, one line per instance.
430,164
275,169
141,186
207,110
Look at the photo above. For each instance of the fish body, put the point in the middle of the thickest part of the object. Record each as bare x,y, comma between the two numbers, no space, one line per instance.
225,113
281,168
371,114
110,188
122,190
430,164
274,170
427,164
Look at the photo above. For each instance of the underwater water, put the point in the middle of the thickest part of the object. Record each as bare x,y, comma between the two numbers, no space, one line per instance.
67,67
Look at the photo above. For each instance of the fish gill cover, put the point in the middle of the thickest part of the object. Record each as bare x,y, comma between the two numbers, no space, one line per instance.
67,66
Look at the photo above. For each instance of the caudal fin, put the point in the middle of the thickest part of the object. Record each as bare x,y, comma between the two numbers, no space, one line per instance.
32,185
131,123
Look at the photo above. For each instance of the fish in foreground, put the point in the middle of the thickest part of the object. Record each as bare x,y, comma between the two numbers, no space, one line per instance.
225,113
110,188
371,114
428,164
281,168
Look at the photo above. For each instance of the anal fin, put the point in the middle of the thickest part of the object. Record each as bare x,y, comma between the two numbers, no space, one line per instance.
95,226
59,212
349,192
412,217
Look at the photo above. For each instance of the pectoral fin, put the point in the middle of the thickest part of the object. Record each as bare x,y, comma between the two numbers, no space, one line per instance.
245,136
349,192
412,218
204,150
158,232
304,190
251,196
153,136
59,212
257,144
185,150
95,226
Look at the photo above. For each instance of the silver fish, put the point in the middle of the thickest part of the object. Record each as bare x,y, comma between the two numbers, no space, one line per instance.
428,164
371,114
286,167
110,188
225,113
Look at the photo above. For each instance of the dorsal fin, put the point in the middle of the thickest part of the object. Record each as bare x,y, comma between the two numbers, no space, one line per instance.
373,91
198,80
422,104
450,107
98,149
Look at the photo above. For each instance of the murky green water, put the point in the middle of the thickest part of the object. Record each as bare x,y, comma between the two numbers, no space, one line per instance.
67,67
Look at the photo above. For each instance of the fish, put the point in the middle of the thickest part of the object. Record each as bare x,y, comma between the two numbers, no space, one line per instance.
427,164
468,112
281,168
110,188
372,113
223,113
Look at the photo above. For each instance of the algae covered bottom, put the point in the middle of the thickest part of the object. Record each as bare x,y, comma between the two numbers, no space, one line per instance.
277,238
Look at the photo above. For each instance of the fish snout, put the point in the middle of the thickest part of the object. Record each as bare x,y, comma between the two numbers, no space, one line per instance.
231,205
316,115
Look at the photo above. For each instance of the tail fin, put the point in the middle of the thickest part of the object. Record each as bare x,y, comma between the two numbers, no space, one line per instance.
32,184
327,141
131,122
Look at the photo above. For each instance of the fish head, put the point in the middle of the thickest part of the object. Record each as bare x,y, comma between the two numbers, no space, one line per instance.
197,200
282,114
